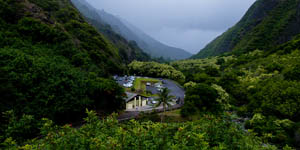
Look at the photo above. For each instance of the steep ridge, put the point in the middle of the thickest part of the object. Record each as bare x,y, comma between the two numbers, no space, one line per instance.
53,63
266,24
155,47
128,50
131,33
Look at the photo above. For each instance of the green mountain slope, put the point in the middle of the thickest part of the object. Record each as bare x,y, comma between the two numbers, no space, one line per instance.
263,85
266,24
149,45
53,63
128,50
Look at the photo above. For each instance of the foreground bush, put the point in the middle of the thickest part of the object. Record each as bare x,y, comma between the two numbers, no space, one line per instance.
207,133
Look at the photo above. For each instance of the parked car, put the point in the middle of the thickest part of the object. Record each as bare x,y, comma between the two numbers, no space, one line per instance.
128,85
159,89
158,85
154,102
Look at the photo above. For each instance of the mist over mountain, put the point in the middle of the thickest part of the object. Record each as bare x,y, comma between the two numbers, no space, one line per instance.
128,50
149,45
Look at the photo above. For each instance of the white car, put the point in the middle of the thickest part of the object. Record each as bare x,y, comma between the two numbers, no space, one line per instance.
154,102
128,85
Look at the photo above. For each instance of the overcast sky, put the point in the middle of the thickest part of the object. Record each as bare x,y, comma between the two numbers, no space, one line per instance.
187,24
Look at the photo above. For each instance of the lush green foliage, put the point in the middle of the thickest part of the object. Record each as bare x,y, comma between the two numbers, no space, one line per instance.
139,84
52,64
164,99
201,70
128,50
266,24
265,83
154,69
200,98
51,86
207,133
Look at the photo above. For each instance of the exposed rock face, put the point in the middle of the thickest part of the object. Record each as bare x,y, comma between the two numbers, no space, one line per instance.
36,12
266,24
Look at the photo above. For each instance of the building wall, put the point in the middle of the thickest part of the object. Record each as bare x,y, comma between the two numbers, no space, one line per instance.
144,102
136,102
129,105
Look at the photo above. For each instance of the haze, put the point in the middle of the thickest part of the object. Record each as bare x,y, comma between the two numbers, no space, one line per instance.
187,24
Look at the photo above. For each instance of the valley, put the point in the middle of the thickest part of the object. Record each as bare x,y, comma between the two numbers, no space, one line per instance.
76,77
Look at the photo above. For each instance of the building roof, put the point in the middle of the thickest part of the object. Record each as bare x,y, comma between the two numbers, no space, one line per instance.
130,96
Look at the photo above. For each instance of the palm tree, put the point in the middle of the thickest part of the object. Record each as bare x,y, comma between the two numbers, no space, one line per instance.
164,99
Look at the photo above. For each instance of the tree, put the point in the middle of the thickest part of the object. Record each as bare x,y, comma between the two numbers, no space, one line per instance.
164,99
278,98
293,73
220,61
201,97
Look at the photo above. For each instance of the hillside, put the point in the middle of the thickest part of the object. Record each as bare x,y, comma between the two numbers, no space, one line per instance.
128,50
53,63
262,85
145,42
57,89
266,24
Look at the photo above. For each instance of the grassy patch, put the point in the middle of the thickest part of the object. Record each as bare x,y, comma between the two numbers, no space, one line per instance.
173,116
140,84
173,113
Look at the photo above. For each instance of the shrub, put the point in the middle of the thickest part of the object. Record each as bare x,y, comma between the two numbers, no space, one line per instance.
200,98
208,132
293,73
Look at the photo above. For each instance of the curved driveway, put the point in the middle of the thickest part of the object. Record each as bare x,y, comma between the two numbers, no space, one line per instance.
175,90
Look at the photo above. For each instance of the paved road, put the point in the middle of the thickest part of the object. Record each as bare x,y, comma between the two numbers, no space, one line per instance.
174,88
152,89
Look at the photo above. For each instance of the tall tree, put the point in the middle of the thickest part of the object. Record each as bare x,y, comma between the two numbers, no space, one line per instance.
164,99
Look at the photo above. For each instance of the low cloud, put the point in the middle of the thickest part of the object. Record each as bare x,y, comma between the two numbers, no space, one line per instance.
188,24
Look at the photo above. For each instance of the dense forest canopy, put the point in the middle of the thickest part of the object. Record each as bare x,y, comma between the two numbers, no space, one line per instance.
53,63
55,66
262,85
266,24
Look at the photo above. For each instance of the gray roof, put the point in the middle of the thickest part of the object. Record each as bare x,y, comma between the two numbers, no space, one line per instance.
130,96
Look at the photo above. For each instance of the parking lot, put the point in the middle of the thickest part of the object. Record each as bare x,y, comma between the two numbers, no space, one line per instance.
175,89
125,81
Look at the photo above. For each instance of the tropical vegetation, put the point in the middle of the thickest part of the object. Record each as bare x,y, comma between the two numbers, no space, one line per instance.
210,132
262,86
164,99
267,24
154,69
55,66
